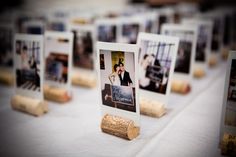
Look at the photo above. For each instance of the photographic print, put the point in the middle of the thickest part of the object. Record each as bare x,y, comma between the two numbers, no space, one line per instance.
36,27
156,65
130,33
28,65
187,46
228,117
118,79
83,51
58,51
6,46
107,33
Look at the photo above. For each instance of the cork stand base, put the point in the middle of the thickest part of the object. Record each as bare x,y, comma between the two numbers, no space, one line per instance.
212,62
152,108
199,73
6,78
181,87
84,80
119,127
56,94
228,145
29,105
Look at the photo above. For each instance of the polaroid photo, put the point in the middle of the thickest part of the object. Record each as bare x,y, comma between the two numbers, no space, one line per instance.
58,59
150,21
107,29
118,80
186,51
129,28
228,116
84,48
57,21
36,27
156,61
28,65
203,48
6,46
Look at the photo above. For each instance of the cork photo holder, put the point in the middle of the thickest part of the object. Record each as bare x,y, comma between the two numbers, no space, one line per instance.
6,62
157,57
28,70
203,47
84,71
183,71
58,63
118,88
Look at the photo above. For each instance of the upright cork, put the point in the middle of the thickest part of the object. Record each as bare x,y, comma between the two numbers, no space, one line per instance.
29,105
84,80
152,108
181,87
199,73
228,145
6,78
119,126
56,94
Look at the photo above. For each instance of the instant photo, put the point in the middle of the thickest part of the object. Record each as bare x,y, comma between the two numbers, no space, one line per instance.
27,63
130,33
230,115
117,79
83,56
155,63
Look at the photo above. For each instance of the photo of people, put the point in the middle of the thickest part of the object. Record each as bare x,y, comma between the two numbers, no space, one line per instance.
183,59
6,55
83,49
216,35
57,67
107,33
130,33
27,65
154,65
117,79
230,118
201,43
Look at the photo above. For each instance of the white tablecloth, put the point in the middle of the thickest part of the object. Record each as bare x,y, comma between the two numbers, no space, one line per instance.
190,127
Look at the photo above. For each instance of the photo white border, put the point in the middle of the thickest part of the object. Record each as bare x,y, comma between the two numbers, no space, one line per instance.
20,91
163,98
65,35
181,27
127,48
226,128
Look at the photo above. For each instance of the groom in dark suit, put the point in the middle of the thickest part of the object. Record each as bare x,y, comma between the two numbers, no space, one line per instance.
125,79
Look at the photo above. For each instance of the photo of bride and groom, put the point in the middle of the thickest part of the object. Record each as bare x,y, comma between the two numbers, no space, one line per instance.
120,77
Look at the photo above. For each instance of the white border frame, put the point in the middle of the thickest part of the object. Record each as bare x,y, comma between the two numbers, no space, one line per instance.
66,35
166,39
226,128
128,48
181,27
36,38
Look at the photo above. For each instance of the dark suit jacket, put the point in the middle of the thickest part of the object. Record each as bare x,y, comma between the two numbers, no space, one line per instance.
126,79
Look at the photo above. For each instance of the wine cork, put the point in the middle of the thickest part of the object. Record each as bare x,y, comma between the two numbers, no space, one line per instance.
151,108
119,126
212,61
225,53
199,73
56,94
29,105
181,87
6,78
228,145
84,80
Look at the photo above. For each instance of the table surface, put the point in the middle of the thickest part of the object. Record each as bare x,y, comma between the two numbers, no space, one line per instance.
190,128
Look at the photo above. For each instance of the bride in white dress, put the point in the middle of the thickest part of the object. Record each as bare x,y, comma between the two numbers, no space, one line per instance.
114,77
